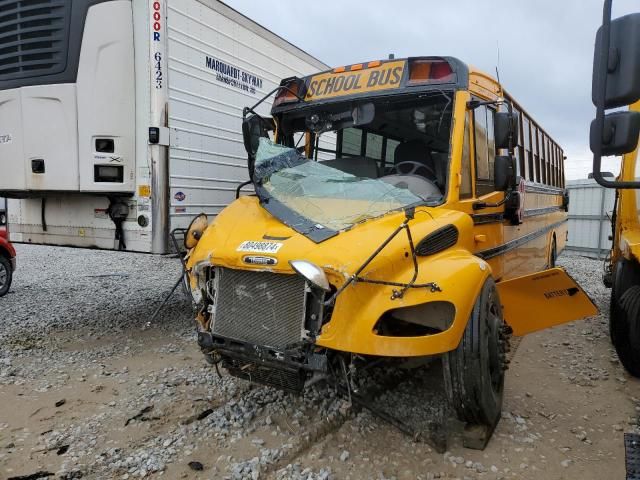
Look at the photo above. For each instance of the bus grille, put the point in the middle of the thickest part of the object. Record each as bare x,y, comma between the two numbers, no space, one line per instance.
33,37
260,308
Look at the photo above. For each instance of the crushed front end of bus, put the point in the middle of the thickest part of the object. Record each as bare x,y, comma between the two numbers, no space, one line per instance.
352,251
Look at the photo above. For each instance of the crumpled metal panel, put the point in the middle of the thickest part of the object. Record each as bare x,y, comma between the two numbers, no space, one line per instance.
260,308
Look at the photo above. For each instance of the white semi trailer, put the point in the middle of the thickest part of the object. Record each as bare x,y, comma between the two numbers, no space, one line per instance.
121,119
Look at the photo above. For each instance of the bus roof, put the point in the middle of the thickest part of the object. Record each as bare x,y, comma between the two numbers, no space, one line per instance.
391,77
378,77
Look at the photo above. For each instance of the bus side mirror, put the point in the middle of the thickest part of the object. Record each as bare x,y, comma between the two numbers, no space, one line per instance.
504,173
505,127
615,83
619,134
253,128
622,63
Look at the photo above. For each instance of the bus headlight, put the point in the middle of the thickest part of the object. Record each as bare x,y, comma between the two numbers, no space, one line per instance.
311,273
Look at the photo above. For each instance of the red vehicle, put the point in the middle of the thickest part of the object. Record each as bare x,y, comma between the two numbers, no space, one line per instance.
7,261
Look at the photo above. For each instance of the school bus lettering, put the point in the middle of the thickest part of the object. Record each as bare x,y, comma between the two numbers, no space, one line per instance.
328,85
389,76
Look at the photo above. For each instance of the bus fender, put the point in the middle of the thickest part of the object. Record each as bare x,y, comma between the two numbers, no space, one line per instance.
459,277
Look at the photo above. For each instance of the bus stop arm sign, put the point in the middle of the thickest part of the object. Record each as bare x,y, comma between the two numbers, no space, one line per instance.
542,300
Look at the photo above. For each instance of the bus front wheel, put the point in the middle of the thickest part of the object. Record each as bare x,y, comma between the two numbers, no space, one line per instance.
474,372
624,315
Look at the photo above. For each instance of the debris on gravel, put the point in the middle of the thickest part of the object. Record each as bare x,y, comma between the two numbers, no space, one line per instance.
95,391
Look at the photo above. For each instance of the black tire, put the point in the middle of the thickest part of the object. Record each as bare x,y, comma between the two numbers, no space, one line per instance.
474,372
624,315
626,274
553,256
6,275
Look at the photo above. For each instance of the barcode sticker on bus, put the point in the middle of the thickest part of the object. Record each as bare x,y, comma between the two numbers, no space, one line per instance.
259,247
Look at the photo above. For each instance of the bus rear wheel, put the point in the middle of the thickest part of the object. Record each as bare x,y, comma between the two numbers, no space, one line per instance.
624,315
474,372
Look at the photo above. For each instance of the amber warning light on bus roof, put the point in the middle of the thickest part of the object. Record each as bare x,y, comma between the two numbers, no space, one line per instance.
292,90
429,71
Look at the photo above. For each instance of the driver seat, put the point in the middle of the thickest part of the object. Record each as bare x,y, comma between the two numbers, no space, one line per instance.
414,151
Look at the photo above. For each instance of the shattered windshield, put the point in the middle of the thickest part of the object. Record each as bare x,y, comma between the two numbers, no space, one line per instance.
355,172
327,196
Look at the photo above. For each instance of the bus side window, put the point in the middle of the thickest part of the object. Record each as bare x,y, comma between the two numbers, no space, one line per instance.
536,158
374,146
351,141
485,149
543,158
465,168
389,153
519,149
527,148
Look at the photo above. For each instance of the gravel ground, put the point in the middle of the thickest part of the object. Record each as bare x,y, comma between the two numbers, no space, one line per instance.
91,389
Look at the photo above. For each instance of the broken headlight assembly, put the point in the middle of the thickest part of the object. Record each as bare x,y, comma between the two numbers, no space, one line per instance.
201,273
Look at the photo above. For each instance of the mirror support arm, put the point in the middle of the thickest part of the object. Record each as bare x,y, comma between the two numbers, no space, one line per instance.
243,184
481,205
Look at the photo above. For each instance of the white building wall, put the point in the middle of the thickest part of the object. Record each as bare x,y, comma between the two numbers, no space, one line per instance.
590,210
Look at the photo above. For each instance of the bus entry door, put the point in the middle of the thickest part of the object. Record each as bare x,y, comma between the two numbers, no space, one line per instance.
542,300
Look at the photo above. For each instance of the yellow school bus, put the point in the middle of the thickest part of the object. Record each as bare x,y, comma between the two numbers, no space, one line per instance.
616,83
403,208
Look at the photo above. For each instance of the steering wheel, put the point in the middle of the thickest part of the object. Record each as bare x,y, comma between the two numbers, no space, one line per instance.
413,169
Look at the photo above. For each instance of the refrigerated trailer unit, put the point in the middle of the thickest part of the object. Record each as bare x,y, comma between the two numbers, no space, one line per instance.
122,118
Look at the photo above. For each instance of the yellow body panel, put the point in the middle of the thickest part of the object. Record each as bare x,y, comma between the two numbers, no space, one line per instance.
542,300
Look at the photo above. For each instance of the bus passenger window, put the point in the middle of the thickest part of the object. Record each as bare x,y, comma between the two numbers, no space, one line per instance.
543,158
351,141
519,149
536,157
465,168
485,149
389,154
549,162
491,142
527,148
374,146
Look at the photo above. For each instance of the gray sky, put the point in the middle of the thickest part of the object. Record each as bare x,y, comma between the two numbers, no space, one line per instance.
546,47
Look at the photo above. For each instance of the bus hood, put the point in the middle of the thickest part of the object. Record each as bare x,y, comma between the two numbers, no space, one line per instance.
246,236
